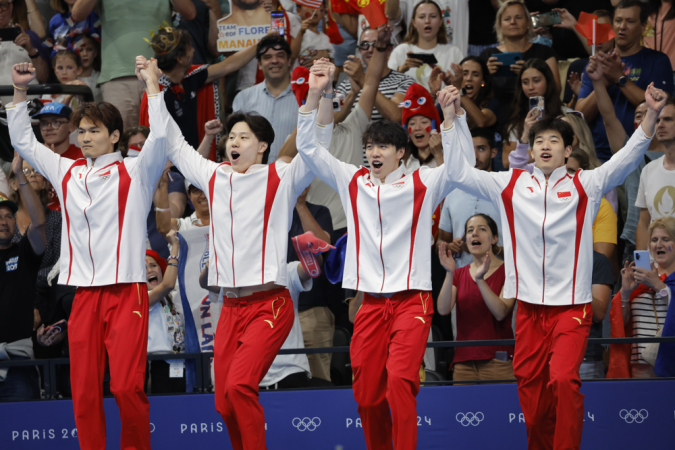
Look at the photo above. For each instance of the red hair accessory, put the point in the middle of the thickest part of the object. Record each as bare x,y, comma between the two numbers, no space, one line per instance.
161,261
418,101
300,83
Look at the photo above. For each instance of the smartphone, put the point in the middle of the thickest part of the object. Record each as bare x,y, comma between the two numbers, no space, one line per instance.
546,19
426,58
9,34
59,327
507,59
641,258
278,22
538,103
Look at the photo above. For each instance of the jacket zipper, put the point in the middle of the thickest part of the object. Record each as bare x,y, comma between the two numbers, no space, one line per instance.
381,235
86,187
234,283
543,238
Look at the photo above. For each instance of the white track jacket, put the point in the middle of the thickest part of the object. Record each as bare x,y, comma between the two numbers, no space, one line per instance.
105,203
251,213
389,224
547,224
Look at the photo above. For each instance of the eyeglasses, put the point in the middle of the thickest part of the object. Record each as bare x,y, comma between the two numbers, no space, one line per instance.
365,45
276,47
56,124
28,172
5,6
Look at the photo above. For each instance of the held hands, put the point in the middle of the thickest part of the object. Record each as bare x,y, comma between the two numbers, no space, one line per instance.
445,256
484,268
22,74
147,71
321,75
449,99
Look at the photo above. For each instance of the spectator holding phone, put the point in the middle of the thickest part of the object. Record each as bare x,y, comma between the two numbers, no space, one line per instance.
514,32
473,78
21,262
475,291
426,36
311,43
534,80
645,298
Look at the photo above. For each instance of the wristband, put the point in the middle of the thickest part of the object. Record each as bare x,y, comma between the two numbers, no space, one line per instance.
172,257
382,49
162,209
173,265
36,55
330,96
19,88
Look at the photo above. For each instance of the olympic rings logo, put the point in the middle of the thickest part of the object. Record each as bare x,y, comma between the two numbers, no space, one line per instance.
470,418
634,415
306,423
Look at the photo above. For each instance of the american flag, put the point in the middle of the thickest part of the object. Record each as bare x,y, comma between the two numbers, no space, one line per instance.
314,4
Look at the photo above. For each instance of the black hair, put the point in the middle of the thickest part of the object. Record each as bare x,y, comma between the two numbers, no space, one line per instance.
485,91
644,8
126,135
169,44
261,128
486,133
270,41
385,132
520,104
496,249
554,124
101,113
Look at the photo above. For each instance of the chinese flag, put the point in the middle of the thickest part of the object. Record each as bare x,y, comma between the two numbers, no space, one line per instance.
603,31
372,9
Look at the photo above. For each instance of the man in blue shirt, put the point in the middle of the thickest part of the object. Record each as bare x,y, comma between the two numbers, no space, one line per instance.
628,70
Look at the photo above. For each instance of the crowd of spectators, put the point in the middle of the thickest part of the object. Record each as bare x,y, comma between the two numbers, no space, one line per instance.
511,71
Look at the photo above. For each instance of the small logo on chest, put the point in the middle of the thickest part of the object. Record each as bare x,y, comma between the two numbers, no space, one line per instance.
105,176
12,264
398,185
564,196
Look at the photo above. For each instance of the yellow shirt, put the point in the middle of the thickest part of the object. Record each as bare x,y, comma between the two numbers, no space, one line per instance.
604,226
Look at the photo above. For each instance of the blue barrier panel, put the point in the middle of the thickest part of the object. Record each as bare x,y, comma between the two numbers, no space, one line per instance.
619,415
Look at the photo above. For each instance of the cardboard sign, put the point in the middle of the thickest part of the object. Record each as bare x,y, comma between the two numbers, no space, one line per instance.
245,25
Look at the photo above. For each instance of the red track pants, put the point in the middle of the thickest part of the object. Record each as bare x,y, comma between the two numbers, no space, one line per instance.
390,336
250,332
550,346
114,320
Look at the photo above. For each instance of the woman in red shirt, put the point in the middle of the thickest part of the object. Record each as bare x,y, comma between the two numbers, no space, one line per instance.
481,313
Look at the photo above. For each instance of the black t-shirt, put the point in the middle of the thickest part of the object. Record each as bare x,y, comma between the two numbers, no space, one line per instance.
314,297
504,87
18,275
199,30
181,101
602,274
481,22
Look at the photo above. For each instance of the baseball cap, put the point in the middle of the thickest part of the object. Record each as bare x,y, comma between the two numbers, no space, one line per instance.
4,201
56,108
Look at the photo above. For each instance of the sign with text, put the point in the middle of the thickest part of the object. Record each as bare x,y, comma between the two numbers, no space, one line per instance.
245,25
618,415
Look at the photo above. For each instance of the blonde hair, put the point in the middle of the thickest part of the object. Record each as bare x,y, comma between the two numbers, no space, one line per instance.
667,224
585,137
500,13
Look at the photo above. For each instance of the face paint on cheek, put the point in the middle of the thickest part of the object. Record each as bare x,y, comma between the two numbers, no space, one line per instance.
410,130
428,128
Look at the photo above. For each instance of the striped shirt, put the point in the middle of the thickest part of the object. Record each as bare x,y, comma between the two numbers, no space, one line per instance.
282,112
644,323
391,84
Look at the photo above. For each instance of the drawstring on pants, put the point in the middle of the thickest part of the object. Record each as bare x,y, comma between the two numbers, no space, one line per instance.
388,309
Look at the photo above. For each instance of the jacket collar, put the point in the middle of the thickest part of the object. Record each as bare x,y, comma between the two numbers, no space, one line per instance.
391,178
105,160
556,175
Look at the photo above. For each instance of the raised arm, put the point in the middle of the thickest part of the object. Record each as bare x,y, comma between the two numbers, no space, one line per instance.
615,171
211,128
170,276
43,159
373,75
448,294
315,127
150,163
458,152
616,134
82,9
230,64
36,212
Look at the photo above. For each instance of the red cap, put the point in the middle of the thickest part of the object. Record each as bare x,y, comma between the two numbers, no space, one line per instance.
418,101
161,261
300,83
